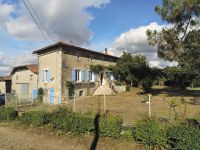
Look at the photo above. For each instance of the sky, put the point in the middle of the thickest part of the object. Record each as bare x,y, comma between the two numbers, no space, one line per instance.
96,24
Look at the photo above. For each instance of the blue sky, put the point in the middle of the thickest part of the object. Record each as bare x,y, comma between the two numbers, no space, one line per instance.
96,24
120,16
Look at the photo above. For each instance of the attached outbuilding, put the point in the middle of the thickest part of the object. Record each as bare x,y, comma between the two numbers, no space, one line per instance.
5,84
24,81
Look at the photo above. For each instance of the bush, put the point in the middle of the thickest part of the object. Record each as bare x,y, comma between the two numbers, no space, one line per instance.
183,137
8,114
128,134
149,132
67,121
147,84
128,88
110,126
40,94
36,118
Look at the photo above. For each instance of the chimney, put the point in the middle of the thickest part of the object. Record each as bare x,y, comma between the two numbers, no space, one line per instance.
106,51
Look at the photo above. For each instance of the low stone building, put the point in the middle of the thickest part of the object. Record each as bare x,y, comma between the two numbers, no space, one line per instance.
5,84
61,62
24,81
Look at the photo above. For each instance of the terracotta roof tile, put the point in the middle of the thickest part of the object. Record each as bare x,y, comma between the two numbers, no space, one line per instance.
6,78
31,67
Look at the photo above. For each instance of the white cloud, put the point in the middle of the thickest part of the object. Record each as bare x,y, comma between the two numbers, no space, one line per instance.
5,11
7,63
135,41
65,20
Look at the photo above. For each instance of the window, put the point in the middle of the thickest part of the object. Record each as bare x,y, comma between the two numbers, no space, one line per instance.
78,75
46,76
16,77
31,77
92,76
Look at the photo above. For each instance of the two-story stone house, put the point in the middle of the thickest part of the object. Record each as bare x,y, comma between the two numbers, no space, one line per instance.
62,62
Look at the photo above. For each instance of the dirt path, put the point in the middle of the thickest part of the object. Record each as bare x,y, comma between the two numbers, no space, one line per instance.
29,139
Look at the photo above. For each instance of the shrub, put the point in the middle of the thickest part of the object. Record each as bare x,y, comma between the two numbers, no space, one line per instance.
71,88
183,137
8,114
82,124
147,84
67,121
110,126
25,118
127,134
149,132
40,94
36,118
62,120
128,88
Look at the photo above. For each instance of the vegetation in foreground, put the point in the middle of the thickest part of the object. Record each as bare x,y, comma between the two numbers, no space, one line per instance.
148,131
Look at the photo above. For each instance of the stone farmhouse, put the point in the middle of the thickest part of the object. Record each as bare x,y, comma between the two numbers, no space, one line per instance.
62,62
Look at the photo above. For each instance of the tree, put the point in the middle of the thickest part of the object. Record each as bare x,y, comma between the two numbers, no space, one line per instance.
131,68
179,40
179,76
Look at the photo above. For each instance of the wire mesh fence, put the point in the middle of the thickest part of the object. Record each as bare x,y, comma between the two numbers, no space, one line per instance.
12,100
133,108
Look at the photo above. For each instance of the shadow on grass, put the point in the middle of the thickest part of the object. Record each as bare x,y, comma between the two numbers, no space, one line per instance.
96,136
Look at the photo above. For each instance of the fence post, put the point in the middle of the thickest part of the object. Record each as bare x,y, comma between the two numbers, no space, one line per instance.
5,99
74,107
149,96
104,98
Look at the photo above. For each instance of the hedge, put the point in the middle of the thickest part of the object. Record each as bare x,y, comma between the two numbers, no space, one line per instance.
36,118
110,126
183,137
8,114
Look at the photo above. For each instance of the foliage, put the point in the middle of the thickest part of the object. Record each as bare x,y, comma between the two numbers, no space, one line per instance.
149,132
128,134
36,118
7,114
183,137
110,126
180,41
128,88
179,76
97,68
67,121
40,94
147,83
131,68
71,88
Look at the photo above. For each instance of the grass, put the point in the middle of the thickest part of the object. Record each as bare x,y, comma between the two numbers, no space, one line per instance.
131,105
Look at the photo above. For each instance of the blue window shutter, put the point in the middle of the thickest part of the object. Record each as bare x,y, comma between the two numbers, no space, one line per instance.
42,75
83,75
88,75
73,75
48,76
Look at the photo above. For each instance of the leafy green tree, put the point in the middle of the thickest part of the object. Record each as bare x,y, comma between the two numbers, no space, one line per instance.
131,68
179,76
180,39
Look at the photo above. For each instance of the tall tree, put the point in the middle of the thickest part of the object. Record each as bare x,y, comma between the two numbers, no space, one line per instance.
179,40
131,68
